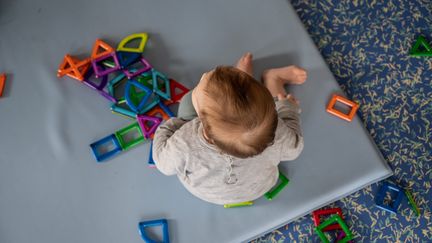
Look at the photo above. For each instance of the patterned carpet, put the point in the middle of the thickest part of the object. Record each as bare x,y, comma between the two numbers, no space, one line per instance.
366,45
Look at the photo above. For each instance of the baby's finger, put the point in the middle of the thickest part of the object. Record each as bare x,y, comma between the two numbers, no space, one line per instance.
293,99
281,97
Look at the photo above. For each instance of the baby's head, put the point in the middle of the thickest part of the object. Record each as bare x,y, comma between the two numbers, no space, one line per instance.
237,112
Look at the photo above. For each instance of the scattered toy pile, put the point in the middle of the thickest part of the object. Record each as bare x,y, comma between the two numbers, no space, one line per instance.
136,90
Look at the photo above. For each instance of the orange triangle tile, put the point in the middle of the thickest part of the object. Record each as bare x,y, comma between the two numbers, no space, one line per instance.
157,111
73,67
101,48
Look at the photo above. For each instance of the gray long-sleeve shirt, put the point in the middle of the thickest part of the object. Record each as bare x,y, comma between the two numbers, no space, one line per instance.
179,148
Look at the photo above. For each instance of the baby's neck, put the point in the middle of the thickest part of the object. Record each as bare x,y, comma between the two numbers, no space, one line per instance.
206,137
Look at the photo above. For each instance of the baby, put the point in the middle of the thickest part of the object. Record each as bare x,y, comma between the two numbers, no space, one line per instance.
232,132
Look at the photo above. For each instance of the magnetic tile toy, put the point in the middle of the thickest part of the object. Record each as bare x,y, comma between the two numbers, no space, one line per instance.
380,197
100,49
160,222
166,109
340,236
118,109
152,103
416,52
73,67
2,83
148,130
318,213
332,110
159,112
126,58
129,131
174,85
114,82
107,96
127,80
103,81
237,205
146,78
330,221
145,68
122,114
412,203
100,69
104,142
108,63
137,36
131,96
151,162
275,191
159,76
99,87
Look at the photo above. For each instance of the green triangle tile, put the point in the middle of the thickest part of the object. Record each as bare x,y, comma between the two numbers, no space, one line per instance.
421,42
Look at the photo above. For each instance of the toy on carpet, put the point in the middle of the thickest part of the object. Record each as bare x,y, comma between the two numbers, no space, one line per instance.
393,206
412,203
146,97
326,212
336,98
421,42
326,226
334,219
154,223
340,237
2,83
420,48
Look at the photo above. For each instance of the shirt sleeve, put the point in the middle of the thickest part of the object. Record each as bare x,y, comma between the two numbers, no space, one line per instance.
165,147
292,137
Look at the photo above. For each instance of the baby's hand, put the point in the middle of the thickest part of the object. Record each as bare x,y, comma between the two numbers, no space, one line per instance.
289,97
245,63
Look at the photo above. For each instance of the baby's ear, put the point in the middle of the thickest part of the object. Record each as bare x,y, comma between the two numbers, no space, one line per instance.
194,102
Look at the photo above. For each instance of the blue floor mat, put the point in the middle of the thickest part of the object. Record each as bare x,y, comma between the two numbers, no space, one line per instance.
366,45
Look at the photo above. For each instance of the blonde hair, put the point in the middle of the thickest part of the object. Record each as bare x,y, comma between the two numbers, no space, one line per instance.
242,119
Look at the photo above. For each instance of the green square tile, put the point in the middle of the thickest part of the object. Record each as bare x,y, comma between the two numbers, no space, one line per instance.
332,220
122,134
274,192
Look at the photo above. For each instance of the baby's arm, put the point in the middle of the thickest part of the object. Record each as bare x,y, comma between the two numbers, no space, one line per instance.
292,145
287,107
165,147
